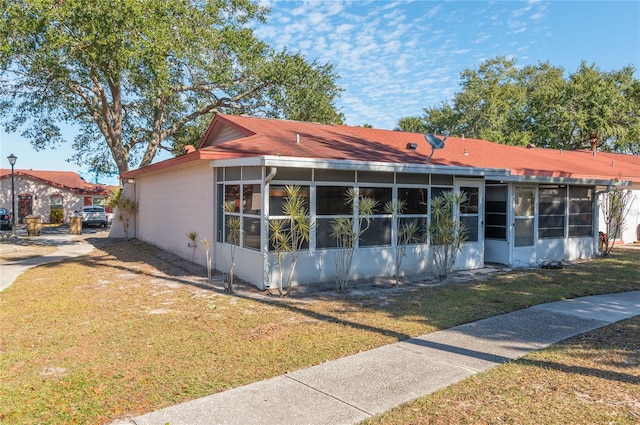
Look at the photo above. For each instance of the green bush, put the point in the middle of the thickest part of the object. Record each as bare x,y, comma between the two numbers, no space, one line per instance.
57,216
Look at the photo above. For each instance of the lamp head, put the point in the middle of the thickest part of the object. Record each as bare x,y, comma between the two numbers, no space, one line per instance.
12,159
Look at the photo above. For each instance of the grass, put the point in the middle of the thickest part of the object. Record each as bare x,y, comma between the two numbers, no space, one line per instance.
11,252
129,329
589,379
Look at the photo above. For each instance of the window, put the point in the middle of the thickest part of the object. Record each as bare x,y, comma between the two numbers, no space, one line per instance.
379,230
495,215
524,212
277,197
580,211
415,201
247,218
552,204
469,212
56,215
331,202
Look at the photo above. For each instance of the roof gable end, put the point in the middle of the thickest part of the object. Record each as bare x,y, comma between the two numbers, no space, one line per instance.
223,130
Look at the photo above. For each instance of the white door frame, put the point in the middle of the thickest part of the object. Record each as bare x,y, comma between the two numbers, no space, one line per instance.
472,254
524,226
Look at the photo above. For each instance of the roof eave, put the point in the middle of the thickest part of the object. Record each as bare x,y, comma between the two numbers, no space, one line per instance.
558,180
341,164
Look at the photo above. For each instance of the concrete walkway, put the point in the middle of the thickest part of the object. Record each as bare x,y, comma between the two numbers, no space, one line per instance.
351,389
68,246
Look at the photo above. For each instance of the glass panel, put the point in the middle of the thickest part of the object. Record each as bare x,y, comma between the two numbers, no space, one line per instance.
251,199
580,211
421,223
552,204
438,191
277,195
375,177
496,232
251,232
441,179
378,233
471,225
331,200
220,212
415,200
232,194
323,233
98,201
524,232
380,194
412,178
286,225
231,221
286,173
56,201
251,173
334,175
470,206
524,202
232,173
220,174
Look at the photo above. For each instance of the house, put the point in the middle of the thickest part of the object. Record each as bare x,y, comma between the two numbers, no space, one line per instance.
52,195
525,205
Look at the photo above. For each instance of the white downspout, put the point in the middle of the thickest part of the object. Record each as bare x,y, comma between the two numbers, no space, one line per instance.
265,231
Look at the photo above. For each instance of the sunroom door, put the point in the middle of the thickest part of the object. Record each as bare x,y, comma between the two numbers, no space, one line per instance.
523,234
471,214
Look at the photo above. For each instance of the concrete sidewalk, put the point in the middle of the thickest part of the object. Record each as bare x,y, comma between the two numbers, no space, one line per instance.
351,389
68,246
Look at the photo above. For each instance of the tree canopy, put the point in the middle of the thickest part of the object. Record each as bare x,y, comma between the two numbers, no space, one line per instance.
139,76
504,103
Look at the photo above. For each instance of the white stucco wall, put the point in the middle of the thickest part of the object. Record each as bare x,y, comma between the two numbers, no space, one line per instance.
320,265
174,202
631,229
41,197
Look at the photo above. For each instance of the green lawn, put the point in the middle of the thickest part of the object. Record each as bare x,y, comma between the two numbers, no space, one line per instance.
125,330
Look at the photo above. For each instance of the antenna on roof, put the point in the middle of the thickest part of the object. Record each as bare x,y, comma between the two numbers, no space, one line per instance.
435,142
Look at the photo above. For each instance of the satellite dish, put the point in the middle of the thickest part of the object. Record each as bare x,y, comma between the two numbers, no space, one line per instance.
435,142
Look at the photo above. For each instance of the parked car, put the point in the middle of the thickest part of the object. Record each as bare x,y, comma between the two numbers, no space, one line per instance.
94,216
5,219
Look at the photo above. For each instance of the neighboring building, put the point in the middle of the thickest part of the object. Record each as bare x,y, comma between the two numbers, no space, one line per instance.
526,205
52,195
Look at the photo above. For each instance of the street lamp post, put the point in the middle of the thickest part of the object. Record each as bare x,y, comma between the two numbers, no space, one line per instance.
12,160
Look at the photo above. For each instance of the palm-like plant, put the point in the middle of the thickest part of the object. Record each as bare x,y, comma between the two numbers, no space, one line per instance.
406,234
446,234
290,234
233,237
348,231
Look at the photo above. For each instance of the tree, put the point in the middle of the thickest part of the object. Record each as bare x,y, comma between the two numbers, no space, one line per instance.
141,76
504,103
411,125
289,235
615,206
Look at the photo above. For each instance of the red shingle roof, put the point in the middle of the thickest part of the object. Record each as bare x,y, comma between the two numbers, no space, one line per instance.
231,136
63,179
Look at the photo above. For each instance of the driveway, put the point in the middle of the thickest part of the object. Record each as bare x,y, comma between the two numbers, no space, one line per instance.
22,252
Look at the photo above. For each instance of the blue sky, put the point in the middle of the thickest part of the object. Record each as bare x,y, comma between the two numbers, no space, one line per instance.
397,57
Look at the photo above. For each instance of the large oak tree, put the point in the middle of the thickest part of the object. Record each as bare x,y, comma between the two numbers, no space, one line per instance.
540,104
139,76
